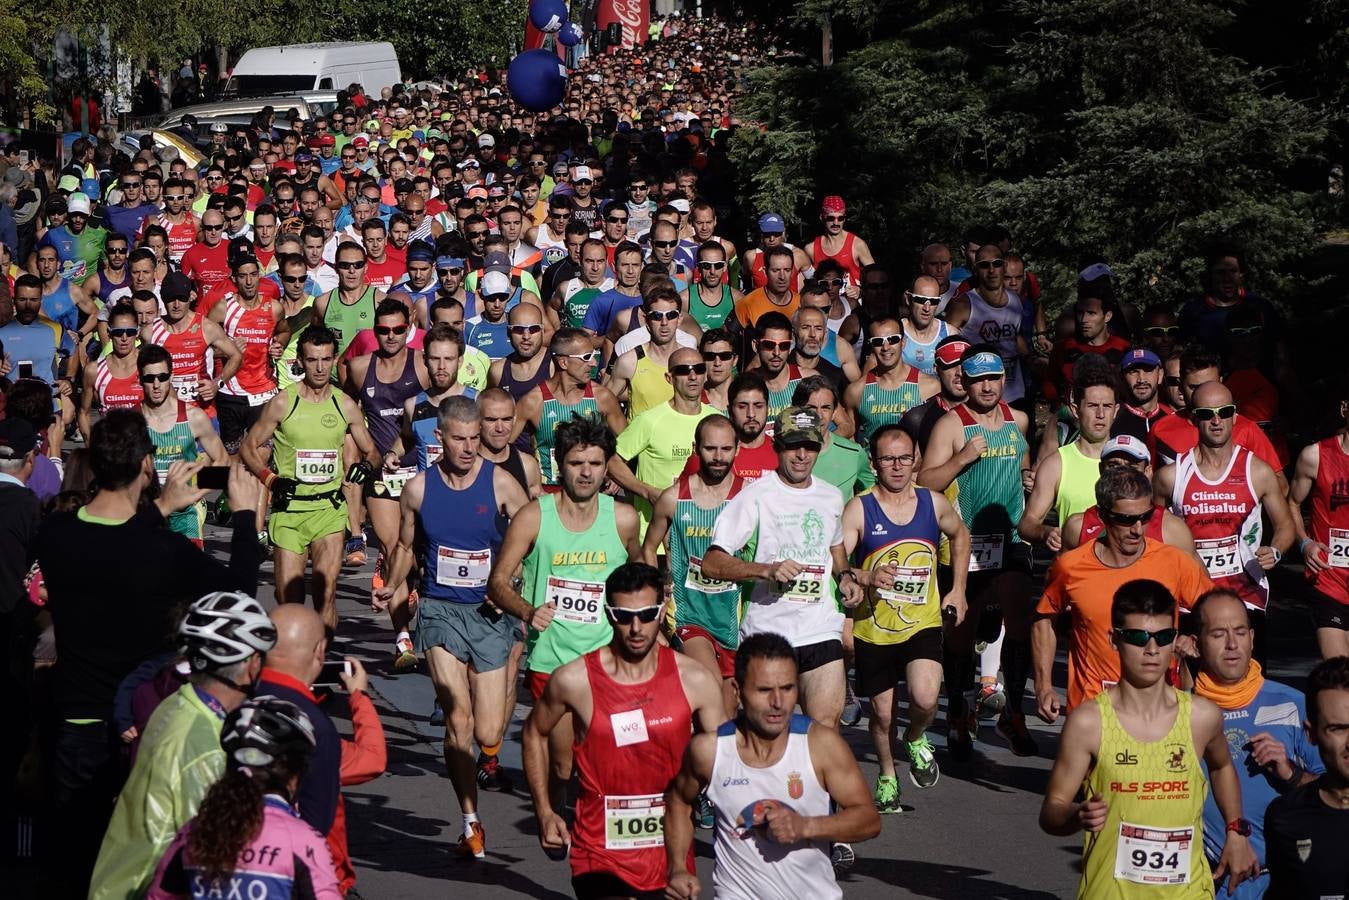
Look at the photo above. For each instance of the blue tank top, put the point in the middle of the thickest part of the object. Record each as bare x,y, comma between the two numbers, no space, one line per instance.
428,448
894,613
60,307
427,293
383,403
922,356
106,285
462,533
489,337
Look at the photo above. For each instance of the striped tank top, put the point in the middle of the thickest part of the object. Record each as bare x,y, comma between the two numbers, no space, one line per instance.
553,413
698,600
885,406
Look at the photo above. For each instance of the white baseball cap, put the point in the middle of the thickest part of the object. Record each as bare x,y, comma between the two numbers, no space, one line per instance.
583,174
78,203
1128,445
493,284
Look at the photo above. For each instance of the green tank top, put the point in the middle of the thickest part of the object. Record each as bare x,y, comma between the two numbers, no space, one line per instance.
647,387
307,446
553,413
285,365
568,569
989,494
1077,482
709,317
885,406
348,321
711,605
172,445
780,400
1152,845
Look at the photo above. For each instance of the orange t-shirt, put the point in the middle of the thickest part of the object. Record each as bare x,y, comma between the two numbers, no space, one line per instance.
754,304
1084,586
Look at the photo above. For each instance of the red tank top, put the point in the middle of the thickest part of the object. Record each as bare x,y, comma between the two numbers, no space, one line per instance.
1092,525
630,753
844,257
114,392
181,235
1330,518
188,349
760,275
255,377
1224,517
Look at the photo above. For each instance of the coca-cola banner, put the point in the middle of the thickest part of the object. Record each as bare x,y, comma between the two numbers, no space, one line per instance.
633,15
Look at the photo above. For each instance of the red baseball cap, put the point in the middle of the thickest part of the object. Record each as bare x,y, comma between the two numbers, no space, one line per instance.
833,204
949,351
327,140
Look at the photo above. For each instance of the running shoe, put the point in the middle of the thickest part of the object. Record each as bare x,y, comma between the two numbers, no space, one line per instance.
923,769
991,700
222,510
474,844
491,777
958,741
404,658
886,795
355,552
1013,728
377,580
852,709
842,856
706,816
437,714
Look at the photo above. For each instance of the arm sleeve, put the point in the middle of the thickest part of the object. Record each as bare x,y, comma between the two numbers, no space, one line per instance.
365,756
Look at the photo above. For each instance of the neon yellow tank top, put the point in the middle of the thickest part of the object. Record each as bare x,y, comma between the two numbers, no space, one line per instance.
1077,482
1152,845
648,386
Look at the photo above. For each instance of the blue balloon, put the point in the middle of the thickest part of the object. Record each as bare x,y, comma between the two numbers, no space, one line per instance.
548,15
570,35
537,80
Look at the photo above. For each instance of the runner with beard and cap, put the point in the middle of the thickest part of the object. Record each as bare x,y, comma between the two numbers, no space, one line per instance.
923,331
633,703
1143,404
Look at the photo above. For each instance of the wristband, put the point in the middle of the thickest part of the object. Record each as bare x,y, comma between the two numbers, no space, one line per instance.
1277,555
1302,545
267,476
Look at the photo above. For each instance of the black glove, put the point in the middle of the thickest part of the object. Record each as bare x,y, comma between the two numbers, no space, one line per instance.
361,472
283,491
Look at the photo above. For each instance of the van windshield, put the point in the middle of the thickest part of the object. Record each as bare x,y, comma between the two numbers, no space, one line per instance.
261,85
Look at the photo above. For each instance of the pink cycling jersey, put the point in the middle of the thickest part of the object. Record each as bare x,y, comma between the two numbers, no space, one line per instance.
288,860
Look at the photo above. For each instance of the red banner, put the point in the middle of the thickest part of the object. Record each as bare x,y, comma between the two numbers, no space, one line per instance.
633,15
533,37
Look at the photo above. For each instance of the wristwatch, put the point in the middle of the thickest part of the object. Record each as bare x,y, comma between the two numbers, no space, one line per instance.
1240,826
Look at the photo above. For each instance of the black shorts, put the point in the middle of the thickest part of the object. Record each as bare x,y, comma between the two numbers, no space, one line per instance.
813,656
236,416
879,667
607,886
1016,560
1327,612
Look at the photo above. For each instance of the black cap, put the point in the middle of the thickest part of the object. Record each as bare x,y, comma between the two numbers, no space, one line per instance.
18,438
175,286
241,250
403,186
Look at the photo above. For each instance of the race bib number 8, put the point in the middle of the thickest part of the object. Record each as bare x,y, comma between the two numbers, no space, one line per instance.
697,581
1220,556
985,552
808,586
315,466
463,568
635,822
910,585
1146,855
576,601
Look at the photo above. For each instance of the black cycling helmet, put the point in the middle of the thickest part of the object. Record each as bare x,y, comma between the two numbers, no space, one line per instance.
224,628
264,729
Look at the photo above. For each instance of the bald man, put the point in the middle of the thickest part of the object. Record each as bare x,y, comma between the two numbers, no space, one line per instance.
923,331
935,262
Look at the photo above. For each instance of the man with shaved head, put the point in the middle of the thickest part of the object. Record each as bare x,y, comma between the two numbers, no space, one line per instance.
290,667
1220,489
923,331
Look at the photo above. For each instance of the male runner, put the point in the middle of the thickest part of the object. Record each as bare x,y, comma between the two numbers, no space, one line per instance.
718,349
837,243
568,391
1262,720
921,419
63,300
992,314
784,789
1306,829
452,520
189,336
177,428
1321,474
892,533
711,299
1135,755
632,703
348,308
980,446
844,463
773,348
792,522
923,331
1128,452
1221,491
1143,405
527,364
625,294
641,375
572,297
207,261
892,387
568,543
1081,581
1092,316
309,422
772,233
1065,481
498,421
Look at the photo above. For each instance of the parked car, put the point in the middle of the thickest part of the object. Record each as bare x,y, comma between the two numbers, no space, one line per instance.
309,104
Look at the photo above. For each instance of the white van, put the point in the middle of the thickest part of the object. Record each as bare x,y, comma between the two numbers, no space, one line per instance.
315,67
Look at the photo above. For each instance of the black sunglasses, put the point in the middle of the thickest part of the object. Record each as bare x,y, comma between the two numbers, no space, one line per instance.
160,377
1128,521
1139,637
689,369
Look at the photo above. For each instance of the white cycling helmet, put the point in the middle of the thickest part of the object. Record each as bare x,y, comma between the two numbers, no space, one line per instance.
224,628
219,128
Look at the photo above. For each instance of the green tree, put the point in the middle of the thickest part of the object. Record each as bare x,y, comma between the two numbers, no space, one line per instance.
440,38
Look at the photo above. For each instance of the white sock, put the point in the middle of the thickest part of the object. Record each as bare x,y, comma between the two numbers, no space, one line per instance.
402,636
469,819
991,658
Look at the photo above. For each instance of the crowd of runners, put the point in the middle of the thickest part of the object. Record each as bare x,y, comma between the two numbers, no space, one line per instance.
710,494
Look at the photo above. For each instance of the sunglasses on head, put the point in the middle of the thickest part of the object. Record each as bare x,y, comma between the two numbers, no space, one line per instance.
883,340
1126,520
689,369
160,377
1205,413
989,264
1139,637
386,330
646,614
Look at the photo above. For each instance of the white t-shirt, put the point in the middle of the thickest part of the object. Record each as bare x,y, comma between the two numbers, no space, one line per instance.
787,523
639,337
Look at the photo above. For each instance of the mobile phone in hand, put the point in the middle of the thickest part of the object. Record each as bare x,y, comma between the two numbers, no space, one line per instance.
213,478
